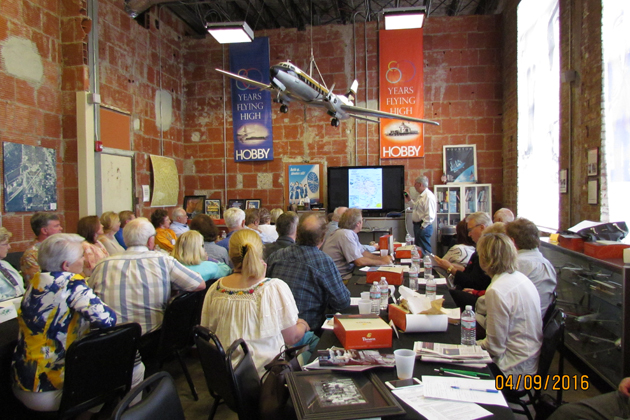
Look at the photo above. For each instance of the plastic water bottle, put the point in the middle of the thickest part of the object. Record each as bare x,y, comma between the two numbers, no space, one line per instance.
375,297
469,327
408,239
428,266
307,203
431,286
413,277
384,293
415,257
223,235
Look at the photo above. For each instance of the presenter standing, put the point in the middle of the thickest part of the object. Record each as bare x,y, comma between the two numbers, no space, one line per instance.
424,209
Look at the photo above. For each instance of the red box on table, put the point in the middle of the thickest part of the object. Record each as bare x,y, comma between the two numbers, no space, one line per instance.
392,277
572,242
604,251
362,332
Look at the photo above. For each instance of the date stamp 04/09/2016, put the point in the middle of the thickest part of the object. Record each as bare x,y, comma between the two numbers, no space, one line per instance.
541,383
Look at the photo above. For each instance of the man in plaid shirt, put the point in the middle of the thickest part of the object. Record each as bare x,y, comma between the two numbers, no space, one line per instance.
311,274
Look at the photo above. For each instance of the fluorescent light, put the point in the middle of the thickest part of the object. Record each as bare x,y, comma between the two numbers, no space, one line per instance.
404,17
230,32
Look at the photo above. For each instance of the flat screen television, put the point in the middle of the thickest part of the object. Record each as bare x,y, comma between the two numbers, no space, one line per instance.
377,190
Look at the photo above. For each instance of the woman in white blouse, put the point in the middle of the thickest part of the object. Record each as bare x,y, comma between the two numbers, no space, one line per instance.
513,323
11,282
111,225
247,305
461,252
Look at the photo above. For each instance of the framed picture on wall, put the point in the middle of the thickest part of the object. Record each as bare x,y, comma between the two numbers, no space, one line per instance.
592,191
593,162
193,204
460,163
303,181
564,182
213,208
252,204
236,202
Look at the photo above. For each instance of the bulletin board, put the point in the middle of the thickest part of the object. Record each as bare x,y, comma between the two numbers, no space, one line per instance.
116,182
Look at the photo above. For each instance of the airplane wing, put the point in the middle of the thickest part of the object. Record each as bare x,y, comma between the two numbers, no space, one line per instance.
246,80
382,114
360,117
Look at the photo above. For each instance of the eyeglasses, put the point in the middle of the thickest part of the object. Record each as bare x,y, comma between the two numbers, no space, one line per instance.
473,228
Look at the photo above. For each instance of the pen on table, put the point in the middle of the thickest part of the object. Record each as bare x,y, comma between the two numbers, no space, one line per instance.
455,374
494,391
466,372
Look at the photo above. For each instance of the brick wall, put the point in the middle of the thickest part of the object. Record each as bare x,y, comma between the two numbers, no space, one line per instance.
463,91
135,63
31,109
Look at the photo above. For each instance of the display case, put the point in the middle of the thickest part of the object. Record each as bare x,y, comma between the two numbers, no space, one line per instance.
455,201
593,295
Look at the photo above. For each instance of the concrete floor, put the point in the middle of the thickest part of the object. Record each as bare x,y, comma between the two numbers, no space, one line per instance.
199,410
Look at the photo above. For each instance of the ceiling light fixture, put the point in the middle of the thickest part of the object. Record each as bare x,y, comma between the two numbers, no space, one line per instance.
404,17
230,32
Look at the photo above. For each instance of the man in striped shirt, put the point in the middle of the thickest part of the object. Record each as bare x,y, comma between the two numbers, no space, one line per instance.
137,283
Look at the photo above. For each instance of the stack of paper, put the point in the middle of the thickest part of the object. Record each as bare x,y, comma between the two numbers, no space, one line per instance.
473,356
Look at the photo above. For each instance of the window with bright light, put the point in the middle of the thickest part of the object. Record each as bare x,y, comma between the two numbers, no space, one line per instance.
616,146
538,84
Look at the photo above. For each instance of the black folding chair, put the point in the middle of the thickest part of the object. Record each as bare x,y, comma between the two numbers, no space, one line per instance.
238,387
160,401
175,334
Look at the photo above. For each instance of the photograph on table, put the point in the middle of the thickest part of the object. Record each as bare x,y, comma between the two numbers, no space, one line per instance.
193,204
236,202
213,208
460,163
252,204
340,395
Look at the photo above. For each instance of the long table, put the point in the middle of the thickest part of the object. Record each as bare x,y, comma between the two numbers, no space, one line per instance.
356,285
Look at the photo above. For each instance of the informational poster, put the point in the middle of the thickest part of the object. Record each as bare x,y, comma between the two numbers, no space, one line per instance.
165,181
251,107
401,92
304,181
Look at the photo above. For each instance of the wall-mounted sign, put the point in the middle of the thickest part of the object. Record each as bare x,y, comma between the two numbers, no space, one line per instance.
251,107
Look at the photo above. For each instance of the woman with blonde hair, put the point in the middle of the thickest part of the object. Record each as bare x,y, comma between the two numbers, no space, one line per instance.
190,252
248,305
513,321
111,225
94,251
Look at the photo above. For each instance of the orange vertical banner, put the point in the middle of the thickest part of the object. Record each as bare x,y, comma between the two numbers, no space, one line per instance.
401,92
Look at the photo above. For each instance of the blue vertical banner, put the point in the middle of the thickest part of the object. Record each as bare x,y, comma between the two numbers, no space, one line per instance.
251,107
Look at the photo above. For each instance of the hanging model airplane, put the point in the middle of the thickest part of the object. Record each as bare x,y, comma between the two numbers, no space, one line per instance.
289,83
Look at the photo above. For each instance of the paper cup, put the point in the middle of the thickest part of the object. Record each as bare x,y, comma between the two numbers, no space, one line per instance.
365,307
405,360
384,252
365,295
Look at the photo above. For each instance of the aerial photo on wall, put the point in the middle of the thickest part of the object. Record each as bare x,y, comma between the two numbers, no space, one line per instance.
30,178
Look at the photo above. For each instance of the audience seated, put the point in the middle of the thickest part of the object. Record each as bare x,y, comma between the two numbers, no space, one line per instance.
247,305
57,310
311,274
111,226
252,220
164,236
275,213
531,261
11,282
234,220
43,225
461,252
137,284
514,325
503,215
125,217
269,233
613,405
204,224
190,252
472,277
90,228
286,226
179,224
344,247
